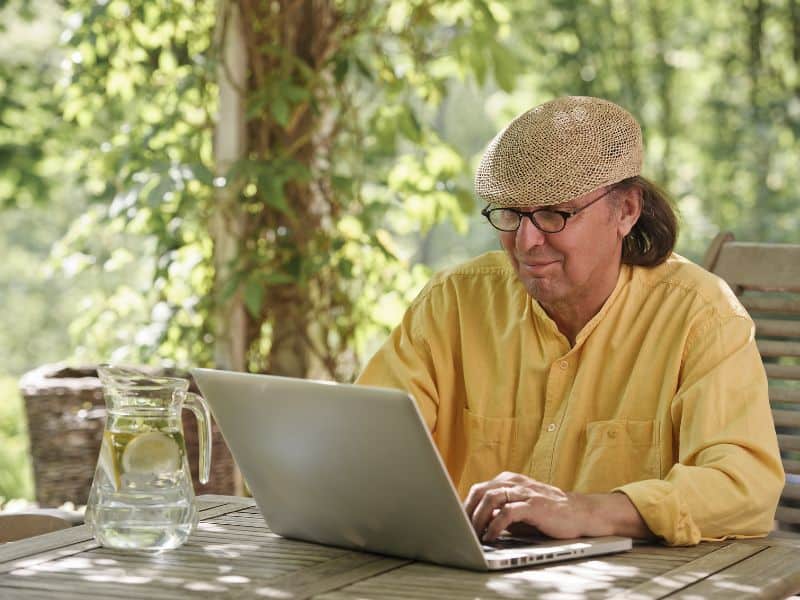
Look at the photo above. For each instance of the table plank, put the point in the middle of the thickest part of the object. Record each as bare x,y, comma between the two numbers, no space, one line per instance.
691,572
75,537
225,499
772,573
130,587
40,595
776,538
598,577
219,510
333,574
79,538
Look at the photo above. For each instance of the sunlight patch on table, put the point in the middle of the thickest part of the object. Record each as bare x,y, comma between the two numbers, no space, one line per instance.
229,550
204,586
269,592
233,579
214,527
566,582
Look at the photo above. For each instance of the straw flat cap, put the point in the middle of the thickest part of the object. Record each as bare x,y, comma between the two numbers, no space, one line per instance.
558,151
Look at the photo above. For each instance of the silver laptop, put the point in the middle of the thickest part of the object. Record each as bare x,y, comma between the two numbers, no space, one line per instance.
355,467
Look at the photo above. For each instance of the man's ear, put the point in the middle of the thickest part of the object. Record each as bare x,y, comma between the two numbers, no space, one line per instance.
629,209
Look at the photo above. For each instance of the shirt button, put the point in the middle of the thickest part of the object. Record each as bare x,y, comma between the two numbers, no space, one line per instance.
563,364
551,427
612,434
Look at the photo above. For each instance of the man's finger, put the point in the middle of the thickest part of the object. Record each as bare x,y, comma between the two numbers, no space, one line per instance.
474,496
492,500
513,512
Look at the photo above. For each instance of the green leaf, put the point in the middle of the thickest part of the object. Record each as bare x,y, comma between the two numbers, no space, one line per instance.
409,125
346,268
156,195
253,297
466,200
341,183
256,102
295,266
364,69
341,68
202,173
280,110
230,287
295,93
277,278
271,187
505,67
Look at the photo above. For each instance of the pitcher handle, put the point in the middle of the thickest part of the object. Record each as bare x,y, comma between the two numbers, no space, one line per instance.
199,407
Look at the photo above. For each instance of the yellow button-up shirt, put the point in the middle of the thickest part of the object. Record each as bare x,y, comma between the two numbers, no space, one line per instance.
663,396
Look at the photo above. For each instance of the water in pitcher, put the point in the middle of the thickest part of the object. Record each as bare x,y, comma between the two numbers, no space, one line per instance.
144,493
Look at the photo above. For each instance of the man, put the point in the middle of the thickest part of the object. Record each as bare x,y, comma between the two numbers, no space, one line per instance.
590,382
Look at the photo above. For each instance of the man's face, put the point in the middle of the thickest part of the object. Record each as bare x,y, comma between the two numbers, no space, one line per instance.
579,264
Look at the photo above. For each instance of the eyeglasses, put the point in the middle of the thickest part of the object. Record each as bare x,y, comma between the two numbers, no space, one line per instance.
544,219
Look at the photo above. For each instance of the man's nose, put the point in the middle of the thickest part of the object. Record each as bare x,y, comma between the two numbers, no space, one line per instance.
528,235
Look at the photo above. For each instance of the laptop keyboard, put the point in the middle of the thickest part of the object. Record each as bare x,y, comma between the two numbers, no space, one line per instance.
510,542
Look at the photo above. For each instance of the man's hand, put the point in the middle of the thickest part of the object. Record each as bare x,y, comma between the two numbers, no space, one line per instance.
512,501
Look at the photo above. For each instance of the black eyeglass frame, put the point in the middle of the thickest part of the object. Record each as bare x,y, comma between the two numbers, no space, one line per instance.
531,214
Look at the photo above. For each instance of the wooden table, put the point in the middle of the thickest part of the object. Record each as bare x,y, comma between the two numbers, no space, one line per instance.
234,555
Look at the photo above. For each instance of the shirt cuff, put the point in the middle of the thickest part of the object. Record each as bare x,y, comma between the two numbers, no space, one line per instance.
663,510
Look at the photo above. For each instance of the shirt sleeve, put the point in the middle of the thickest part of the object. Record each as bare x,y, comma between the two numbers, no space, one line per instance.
405,361
728,476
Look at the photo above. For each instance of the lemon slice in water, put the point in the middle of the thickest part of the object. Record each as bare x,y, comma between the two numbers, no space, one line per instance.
150,454
107,462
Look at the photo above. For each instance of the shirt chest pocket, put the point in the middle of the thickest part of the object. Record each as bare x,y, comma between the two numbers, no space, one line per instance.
494,445
618,452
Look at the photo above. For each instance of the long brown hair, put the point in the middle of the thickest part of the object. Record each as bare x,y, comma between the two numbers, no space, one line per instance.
653,237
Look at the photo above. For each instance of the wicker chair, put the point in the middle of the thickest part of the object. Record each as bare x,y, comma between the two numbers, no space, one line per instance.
766,278
17,526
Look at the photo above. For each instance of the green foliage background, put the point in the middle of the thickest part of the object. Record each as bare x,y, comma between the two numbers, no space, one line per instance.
107,179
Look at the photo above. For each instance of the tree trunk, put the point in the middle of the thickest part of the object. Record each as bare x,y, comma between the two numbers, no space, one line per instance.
663,73
230,145
761,149
226,227
285,41
794,18
630,56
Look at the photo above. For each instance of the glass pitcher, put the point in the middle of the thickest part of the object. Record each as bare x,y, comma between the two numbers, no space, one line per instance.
142,496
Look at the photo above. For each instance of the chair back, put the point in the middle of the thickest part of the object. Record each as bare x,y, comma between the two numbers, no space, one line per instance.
17,526
766,278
